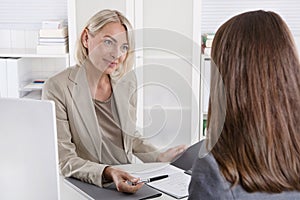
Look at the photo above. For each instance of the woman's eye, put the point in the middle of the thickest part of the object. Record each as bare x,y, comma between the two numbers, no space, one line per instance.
124,48
108,42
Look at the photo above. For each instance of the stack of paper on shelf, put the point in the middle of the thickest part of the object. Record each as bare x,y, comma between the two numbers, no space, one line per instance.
53,38
52,24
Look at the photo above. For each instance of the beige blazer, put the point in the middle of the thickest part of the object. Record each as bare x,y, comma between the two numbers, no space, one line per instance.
79,139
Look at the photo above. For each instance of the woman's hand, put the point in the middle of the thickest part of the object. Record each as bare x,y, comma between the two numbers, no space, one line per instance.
171,153
121,179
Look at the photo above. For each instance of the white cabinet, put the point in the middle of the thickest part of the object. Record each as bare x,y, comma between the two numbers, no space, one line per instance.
167,63
20,67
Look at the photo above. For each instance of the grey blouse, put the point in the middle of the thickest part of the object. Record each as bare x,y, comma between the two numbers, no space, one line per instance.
208,183
112,140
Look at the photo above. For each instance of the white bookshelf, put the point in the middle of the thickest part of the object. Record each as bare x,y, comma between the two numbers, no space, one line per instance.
31,66
20,64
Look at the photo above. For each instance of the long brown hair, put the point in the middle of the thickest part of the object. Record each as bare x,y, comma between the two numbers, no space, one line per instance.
259,145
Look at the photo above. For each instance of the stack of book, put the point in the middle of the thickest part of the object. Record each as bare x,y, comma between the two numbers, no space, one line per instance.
207,40
53,38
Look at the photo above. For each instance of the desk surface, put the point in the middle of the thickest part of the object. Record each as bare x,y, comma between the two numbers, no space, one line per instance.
184,162
69,193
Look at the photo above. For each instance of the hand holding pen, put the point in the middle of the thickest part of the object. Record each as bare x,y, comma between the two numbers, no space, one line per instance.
125,182
121,179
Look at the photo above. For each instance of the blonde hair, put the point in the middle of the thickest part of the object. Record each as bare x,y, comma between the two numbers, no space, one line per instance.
94,25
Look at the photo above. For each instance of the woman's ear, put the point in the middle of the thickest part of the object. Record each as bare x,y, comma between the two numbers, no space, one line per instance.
84,38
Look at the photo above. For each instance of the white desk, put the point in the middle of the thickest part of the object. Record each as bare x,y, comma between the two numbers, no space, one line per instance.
185,162
68,193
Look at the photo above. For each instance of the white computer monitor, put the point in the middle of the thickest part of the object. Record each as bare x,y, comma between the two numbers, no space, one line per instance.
28,150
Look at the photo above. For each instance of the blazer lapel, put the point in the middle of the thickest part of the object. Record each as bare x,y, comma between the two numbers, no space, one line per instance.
87,119
124,91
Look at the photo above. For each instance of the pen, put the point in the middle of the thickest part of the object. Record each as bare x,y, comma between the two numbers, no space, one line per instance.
38,81
148,180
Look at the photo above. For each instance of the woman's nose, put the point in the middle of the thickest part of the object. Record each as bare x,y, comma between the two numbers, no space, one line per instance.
113,56
115,53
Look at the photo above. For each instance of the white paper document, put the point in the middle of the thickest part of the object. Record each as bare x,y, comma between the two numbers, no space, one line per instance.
176,184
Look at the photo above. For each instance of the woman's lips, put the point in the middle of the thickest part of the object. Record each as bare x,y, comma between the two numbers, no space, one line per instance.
110,63
113,64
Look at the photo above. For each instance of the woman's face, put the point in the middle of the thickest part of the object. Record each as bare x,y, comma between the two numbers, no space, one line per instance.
108,48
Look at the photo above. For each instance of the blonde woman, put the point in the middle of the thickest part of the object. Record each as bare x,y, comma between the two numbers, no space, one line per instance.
96,106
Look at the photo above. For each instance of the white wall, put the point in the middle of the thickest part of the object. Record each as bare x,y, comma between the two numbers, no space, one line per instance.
28,14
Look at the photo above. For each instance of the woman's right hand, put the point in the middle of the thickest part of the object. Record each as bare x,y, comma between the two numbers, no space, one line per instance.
121,179
171,154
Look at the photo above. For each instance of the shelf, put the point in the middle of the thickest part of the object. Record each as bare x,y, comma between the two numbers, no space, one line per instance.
33,86
36,94
205,57
28,53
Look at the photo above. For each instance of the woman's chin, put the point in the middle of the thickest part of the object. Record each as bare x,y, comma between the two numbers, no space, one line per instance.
110,71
